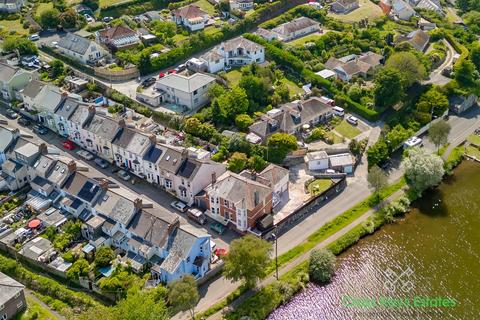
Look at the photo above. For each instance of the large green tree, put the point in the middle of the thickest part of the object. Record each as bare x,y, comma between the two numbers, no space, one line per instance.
321,266
22,44
464,73
78,269
237,162
257,90
438,133
475,52
377,153
397,136
423,169
104,256
141,304
183,294
247,260
279,145
432,102
410,67
388,88
231,103
377,179
50,18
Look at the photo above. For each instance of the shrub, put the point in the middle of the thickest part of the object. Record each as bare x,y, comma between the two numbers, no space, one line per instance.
321,266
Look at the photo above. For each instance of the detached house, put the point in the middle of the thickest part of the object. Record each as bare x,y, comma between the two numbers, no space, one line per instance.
13,80
118,37
344,6
191,17
419,39
347,67
235,52
81,49
10,6
291,117
98,134
296,28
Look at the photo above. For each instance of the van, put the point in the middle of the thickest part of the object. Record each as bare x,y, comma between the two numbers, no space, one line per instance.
413,142
338,111
196,215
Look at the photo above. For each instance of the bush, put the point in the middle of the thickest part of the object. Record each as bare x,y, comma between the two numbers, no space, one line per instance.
321,266
104,256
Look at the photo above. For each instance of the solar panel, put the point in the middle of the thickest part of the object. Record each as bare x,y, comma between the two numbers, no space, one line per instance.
88,191
187,169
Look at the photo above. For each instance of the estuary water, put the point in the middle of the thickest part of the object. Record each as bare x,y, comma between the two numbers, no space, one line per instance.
424,266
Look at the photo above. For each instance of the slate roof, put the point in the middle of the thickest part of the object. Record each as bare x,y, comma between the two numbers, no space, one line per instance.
239,189
178,248
82,187
6,139
274,174
418,39
7,72
59,173
171,160
49,98
9,288
150,228
241,42
189,168
74,43
80,115
43,165
103,127
33,88
186,83
132,141
116,207
153,154
295,25
67,107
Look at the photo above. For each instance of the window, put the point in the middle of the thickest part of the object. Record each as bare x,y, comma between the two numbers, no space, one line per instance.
183,193
212,199
188,259
168,184
225,202
20,304
218,200
195,92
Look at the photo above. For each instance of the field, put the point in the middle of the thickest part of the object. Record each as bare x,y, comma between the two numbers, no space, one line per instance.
233,76
13,25
106,3
206,6
347,130
308,38
367,10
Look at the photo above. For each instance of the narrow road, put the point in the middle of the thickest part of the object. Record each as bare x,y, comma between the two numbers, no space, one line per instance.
436,76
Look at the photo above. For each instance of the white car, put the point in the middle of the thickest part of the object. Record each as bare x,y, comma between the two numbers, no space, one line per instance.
352,120
179,205
123,175
89,18
413,142
85,155
34,37
54,43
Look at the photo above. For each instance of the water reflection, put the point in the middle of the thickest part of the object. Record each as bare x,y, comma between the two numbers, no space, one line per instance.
439,241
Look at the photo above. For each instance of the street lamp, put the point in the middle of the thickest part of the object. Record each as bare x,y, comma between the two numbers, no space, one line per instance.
276,253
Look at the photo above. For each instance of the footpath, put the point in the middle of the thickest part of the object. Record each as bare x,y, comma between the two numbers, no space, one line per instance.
305,256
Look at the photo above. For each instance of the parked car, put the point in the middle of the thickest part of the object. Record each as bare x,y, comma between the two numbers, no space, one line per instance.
172,71
89,18
148,82
352,120
179,205
181,67
34,37
217,227
11,114
39,129
24,122
197,215
54,44
107,19
69,145
101,163
85,155
413,142
122,174
338,111
161,75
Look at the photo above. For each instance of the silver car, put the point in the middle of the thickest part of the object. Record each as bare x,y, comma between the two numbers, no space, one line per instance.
123,175
85,155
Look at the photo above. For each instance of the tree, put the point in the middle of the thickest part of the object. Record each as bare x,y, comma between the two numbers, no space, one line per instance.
58,68
164,29
50,18
377,179
464,73
78,269
438,133
118,283
257,90
92,4
140,304
243,121
423,169
279,145
431,102
257,163
377,153
232,103
397,136
409,67
475,51
68,18
388,89
321,266
22,44
224,6
355,147
104,256
183,294
247,260
237,162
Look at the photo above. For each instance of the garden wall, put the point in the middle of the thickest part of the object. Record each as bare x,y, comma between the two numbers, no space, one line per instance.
117,76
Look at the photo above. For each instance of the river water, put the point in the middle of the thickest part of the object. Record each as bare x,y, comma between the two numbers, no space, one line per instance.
424,266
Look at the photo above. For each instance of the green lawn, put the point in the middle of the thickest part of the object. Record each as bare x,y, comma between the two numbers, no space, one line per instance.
474,139
179,38
367,9
206,6
347,130
35,311
13,25
211,30
292,87
474,152
308,38
233,76
318,186
106,3
336,138
43,7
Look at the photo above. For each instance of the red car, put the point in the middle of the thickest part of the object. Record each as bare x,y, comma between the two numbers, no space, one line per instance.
161,75
172,71
69,145
220,252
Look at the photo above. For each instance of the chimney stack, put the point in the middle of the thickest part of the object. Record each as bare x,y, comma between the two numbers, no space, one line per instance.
214,177
137,204
104,184
42,148
153,139
72,166
91,110
121,123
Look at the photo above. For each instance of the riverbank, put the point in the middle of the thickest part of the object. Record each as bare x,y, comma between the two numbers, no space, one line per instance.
261,303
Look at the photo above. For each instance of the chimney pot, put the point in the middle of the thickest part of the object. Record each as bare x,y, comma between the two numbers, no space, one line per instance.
214,177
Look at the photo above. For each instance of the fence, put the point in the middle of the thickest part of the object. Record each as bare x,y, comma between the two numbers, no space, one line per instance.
117,76
306,209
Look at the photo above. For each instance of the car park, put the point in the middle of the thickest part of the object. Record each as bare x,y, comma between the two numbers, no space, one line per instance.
85,155
34,37
24,122
101,163
122,174
11,114
179,205
352,120
197,215
39,129
217,227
